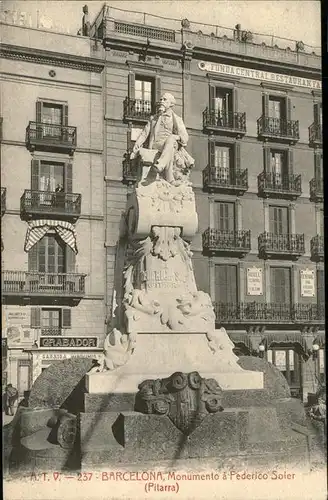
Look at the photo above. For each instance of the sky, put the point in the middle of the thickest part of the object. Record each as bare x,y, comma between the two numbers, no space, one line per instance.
294,19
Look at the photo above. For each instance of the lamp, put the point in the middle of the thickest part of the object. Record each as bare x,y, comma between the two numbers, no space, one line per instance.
315,347
261,348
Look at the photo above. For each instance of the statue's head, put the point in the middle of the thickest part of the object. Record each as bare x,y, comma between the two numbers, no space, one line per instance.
85,9
167,101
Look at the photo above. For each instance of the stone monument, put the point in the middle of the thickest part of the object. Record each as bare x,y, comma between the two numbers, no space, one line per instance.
164,324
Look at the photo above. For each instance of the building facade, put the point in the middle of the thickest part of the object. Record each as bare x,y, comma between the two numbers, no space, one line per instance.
52,200
253,114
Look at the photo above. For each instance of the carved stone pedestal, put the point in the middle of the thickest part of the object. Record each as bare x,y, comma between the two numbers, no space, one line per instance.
158,355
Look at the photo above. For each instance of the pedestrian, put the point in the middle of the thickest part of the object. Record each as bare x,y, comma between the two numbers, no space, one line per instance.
11,397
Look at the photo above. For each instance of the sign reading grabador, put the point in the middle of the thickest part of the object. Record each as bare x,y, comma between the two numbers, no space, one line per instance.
267,76
72,342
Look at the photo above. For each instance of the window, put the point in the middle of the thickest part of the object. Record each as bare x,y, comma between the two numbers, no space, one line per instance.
144,94
50,320
288,362
224,160
278,166
23,376
226,284
48,175
53,116
222,102
277,107
225,216
51,255
280,279
278,220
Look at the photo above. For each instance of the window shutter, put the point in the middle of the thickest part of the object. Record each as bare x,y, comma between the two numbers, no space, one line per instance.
66,318
290,162
70,260
68,180
33,258
211,100
237,157
211,153
131,85
266,160
38,111
288,108
321,287
317,166
234,100
231,216
35,170
221,284
265,104
232,284
158,88
35,317
65,115
316,113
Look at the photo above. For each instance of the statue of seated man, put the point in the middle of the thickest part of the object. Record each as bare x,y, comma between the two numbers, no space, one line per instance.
167,137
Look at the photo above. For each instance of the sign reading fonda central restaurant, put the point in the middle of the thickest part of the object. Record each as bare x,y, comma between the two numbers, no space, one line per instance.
72,342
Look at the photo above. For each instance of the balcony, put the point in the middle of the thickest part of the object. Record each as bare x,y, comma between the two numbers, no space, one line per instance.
136,110
269,313
281,245
278,129
3,201
233,124
31,286
272,185
217,242
317,248
50,137
216,179
316,190
48,203
130,170
315,135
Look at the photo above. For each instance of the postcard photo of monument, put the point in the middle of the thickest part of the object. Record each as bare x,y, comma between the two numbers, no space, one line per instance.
162,243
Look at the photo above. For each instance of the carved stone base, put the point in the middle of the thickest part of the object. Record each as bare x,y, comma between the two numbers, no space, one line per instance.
158,355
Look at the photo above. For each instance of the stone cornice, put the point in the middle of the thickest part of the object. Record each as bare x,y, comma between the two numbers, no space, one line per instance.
51,58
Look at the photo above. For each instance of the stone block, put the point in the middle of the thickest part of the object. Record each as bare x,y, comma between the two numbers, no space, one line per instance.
58,383
108,402
95,430
216,435
273,381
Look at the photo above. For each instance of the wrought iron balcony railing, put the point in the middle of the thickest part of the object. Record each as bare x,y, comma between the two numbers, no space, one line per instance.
33,283
67,205
259,312
50,137
137,110
3,200
272,128
227,123
291,245
222,179
317,248
315,134
316,190
286,186
216,241
51,331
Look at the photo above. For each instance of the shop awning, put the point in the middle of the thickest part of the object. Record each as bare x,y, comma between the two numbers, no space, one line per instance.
242,338
38,228
320,339
289,338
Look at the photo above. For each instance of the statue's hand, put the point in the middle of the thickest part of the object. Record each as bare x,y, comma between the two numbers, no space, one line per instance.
134,153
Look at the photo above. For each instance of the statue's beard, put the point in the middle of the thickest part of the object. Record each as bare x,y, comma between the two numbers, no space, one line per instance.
161,108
